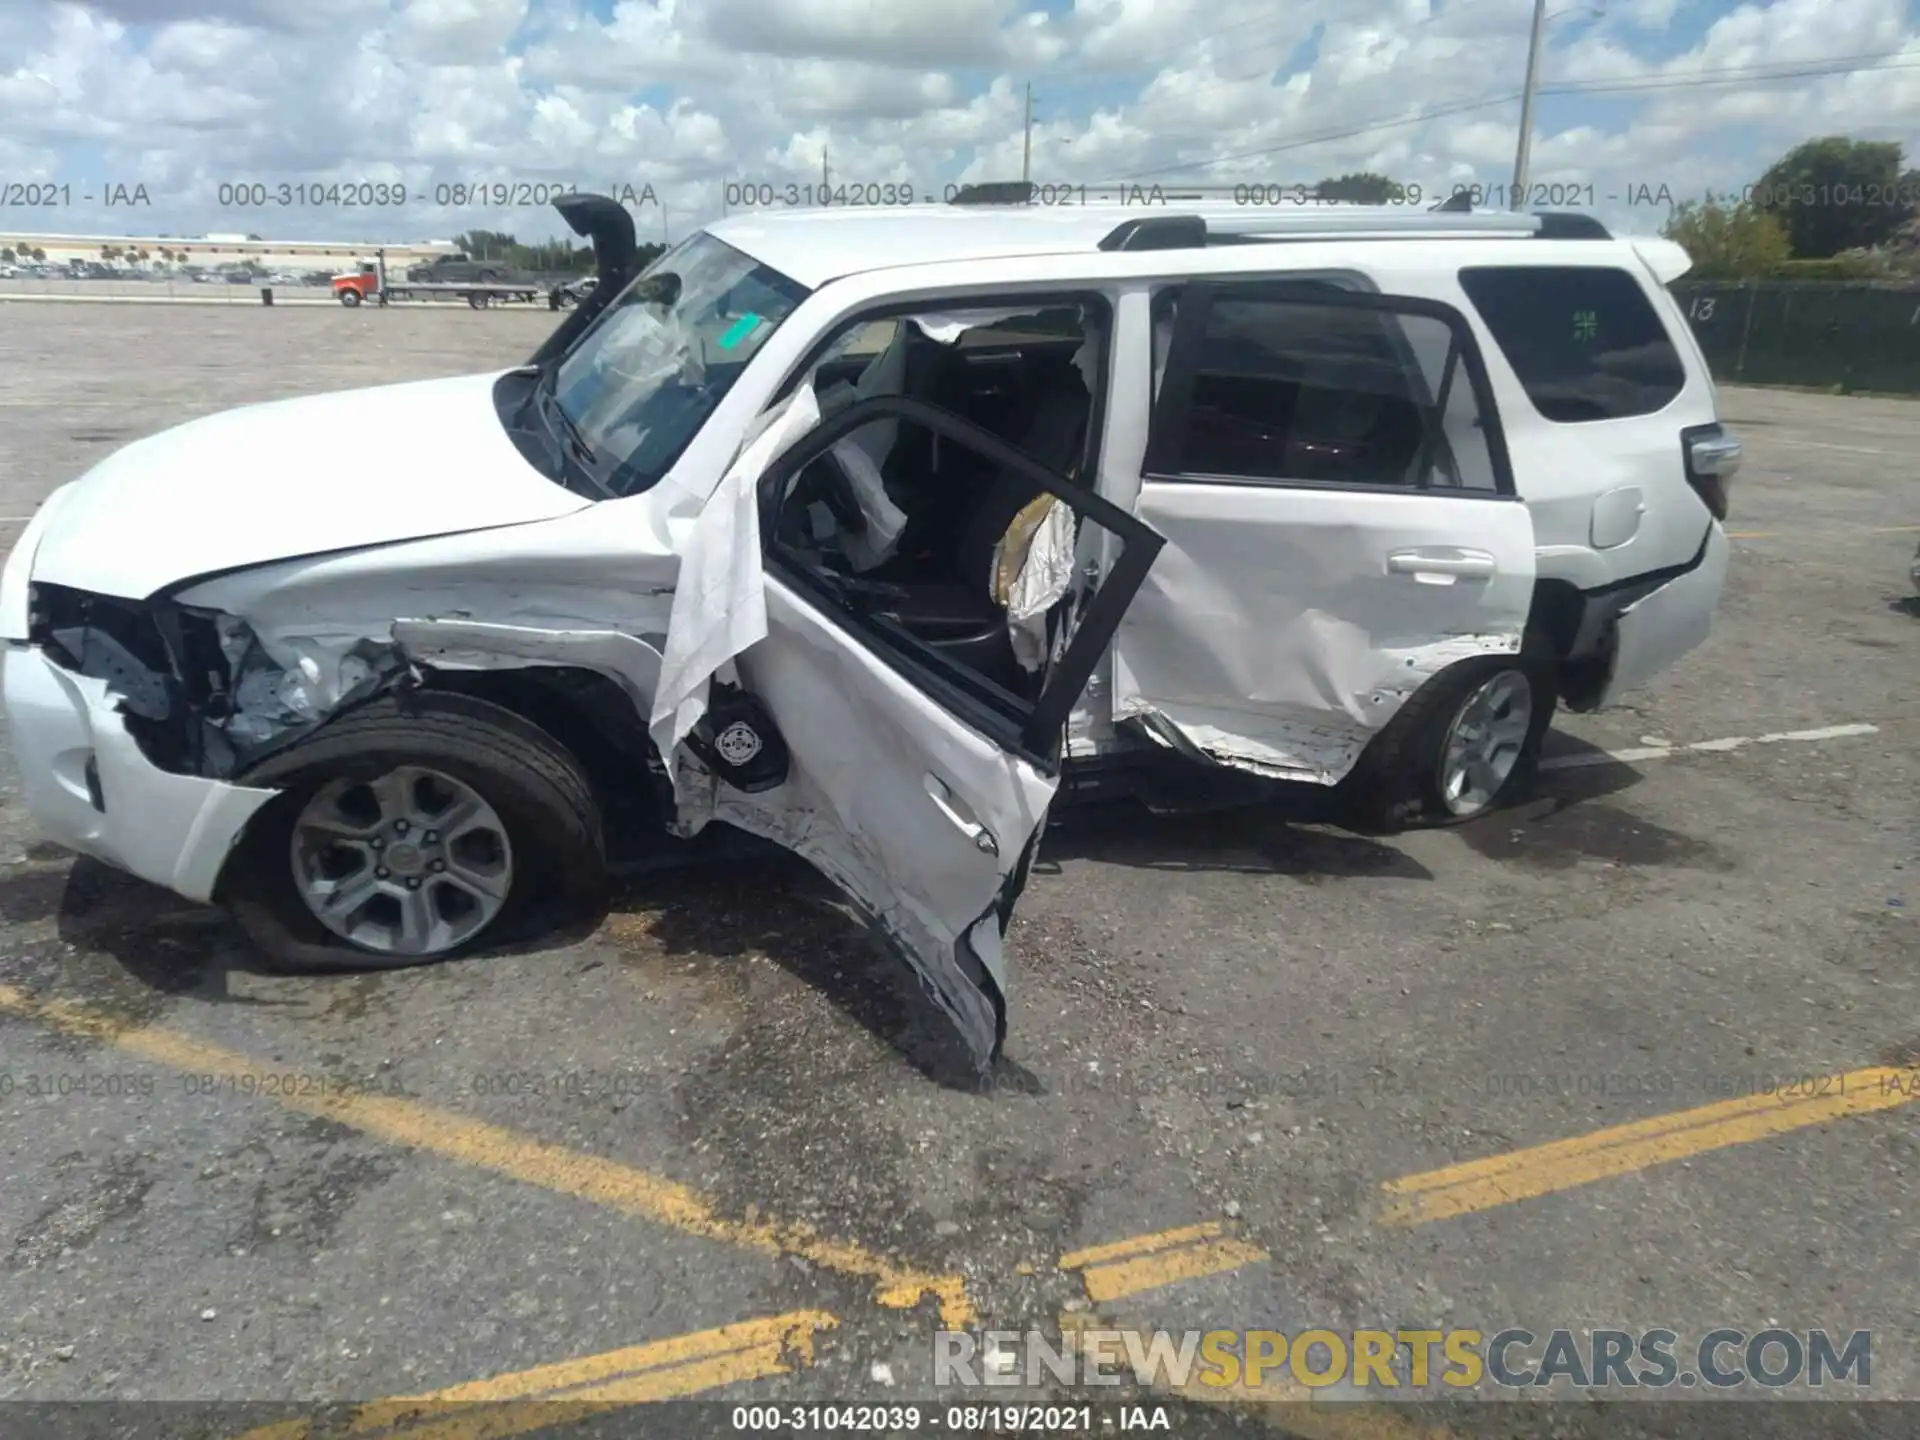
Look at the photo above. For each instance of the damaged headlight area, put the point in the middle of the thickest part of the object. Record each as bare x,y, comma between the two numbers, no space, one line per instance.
204,694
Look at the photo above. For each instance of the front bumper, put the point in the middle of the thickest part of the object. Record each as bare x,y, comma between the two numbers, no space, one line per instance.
1652,633
91,789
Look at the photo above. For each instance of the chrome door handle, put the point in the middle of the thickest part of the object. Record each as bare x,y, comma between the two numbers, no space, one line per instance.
941,794
1472,564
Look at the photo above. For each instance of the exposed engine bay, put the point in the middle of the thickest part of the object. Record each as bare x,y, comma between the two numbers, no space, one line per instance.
202,693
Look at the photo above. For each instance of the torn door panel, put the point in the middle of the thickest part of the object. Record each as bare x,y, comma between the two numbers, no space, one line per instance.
969,987
1282,627
919,819
1308,721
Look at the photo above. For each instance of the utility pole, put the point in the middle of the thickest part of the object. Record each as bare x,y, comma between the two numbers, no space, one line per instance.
826,175
1521,153
1026,150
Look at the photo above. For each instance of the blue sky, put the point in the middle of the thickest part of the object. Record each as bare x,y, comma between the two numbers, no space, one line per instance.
194,97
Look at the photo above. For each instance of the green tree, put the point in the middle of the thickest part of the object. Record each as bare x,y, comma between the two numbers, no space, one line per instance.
488,245
1361,187
1835,194
6,255
39,256
1728,241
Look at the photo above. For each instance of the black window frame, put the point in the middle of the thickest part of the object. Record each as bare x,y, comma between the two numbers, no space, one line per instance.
1627,276
899,309
1195,297
1035,731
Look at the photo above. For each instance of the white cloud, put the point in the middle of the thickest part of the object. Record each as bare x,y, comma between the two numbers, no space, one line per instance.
686,94
458,32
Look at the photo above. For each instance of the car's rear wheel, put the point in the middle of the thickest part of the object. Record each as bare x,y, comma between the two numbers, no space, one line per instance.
412,830
1466,744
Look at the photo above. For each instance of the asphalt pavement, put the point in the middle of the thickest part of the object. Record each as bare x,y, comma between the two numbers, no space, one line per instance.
1620,1057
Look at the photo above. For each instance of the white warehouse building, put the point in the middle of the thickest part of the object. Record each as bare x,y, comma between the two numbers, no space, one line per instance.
211,252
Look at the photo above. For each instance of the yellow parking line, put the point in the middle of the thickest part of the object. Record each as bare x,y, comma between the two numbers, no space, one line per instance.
1753,535
1146,1262
1139,1245
507,1152
574,1389
1622,1149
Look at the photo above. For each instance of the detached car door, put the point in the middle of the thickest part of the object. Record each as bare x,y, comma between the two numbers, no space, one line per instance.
914,779
1327,469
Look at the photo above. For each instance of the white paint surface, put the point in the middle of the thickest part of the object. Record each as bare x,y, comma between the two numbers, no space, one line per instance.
1710,747
1273,633
295,477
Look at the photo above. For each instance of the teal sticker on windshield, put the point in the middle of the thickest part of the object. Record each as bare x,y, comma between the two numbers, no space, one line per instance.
740,329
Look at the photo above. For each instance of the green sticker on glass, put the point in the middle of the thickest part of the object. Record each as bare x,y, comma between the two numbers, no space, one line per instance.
739,330
1586,325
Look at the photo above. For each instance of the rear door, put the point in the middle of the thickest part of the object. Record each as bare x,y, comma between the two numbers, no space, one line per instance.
1327,468
915,783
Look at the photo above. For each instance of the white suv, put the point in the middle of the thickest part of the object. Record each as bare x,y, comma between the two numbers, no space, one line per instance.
855,530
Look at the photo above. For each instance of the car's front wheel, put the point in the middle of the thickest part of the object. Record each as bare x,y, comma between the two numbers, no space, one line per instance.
412,830
1467,743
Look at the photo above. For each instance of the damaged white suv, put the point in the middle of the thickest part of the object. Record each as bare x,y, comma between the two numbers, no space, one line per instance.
857,531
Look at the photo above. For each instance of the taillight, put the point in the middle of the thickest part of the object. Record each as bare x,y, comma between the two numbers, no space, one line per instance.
1712,457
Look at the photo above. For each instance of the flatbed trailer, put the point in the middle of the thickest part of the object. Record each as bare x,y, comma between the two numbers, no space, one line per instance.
369,285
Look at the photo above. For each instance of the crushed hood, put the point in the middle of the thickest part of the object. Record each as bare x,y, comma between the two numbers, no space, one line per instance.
292,478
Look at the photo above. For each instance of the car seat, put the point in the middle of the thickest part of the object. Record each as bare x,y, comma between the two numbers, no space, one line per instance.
959,616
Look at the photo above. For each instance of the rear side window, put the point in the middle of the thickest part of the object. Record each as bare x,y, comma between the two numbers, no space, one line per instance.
1583,339
1306,384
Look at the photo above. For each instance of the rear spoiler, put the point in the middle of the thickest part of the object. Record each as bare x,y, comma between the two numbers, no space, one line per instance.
609,225
1667,259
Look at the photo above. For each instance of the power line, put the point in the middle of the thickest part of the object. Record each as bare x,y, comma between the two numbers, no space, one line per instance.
1733,75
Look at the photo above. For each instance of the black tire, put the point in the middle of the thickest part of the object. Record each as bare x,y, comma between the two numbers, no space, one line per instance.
1397,784
479,299
536,786
350,298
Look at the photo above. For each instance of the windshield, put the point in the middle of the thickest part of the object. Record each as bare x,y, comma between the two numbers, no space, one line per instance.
645,378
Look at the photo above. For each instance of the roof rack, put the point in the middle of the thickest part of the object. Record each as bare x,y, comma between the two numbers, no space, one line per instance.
1355,222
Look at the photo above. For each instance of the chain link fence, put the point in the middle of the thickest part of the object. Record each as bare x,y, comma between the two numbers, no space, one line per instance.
1854,335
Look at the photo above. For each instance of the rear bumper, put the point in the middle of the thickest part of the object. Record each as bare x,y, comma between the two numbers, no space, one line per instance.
90,788
1653,632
